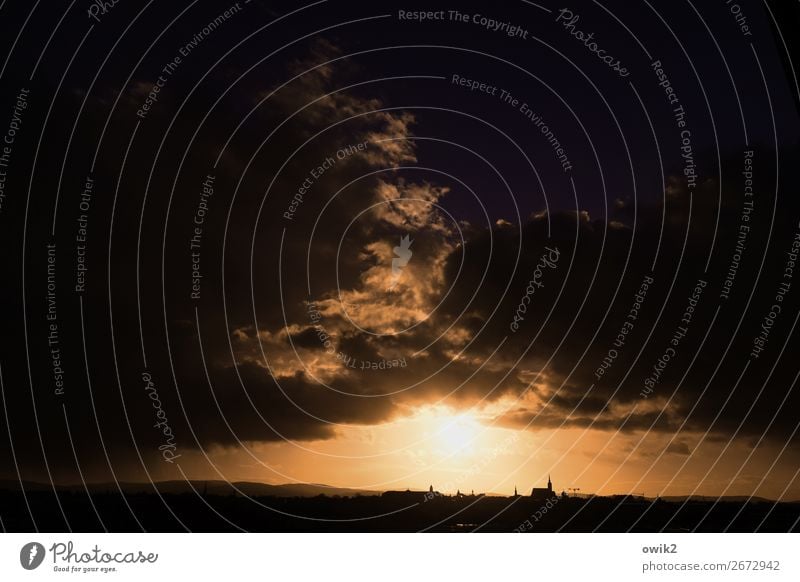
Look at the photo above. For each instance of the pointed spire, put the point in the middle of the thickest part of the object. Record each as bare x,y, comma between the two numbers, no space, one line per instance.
549,483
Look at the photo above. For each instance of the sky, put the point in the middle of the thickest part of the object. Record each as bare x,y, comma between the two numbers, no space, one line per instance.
314,255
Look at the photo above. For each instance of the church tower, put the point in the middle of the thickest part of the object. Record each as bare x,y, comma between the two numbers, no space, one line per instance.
543,493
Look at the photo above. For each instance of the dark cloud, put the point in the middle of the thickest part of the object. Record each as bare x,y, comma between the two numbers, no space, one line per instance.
679,448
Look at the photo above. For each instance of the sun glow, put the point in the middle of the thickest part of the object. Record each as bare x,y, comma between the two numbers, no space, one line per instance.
456,435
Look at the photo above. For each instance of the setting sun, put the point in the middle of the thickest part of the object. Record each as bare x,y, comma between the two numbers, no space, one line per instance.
457,434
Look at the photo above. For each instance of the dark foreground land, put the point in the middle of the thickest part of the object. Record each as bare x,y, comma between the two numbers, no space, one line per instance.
65,511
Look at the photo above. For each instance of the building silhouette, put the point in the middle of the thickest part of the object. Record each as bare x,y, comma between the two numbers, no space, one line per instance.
543,493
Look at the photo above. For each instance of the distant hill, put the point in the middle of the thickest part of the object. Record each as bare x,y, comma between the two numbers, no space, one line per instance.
209,487
731,498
